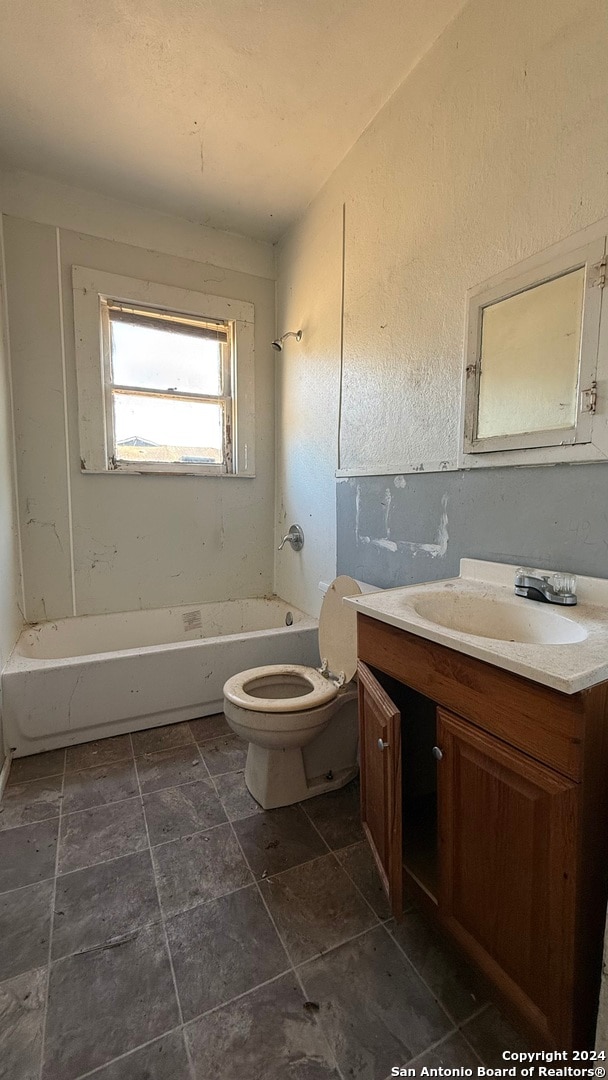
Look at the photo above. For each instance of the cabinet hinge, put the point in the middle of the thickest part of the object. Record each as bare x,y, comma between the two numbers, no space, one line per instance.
589,398
600,280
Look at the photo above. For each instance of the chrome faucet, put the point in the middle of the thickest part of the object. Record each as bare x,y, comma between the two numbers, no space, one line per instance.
295,537
547,588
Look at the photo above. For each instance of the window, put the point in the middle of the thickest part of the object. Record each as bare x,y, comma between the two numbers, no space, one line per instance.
170,379
531,358
167,398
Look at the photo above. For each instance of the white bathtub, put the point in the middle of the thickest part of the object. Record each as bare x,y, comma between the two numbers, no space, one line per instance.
87,678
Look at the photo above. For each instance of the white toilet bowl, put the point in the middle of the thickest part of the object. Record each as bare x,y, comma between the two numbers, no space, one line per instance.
301,723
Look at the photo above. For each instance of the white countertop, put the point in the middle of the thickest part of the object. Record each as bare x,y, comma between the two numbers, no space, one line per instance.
568,668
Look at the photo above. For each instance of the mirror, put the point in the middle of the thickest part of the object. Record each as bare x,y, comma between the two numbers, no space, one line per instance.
529,358
532,350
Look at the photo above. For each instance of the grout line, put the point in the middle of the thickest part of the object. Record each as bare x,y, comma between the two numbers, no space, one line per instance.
160,907
182,783
51,927
379,921
36,821
100,806
461,1031
5,772
333,948
211,900
280,937
68,477
451,1018
320,1025
433,1046
33,780
239,997
311,822
18,888
165,749
11,397
98,945
129,1053
99,765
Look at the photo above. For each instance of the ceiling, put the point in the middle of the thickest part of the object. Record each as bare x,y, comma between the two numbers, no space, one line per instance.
230,113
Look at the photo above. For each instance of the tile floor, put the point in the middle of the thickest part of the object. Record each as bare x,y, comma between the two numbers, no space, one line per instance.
156,924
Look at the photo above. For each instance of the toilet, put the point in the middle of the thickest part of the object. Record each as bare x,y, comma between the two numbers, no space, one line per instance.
301,722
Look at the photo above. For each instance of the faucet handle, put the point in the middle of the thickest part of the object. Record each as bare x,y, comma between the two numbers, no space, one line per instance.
295,537
564,584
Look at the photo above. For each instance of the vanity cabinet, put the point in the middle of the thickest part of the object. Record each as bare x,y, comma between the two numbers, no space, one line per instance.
484,795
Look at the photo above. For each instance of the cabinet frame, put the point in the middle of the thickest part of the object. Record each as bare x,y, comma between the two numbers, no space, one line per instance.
567,734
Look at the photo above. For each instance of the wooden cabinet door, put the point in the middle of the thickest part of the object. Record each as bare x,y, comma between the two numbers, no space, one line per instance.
380,752
507,836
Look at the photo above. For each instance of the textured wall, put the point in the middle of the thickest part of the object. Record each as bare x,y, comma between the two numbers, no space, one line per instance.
10,616
308,390
399,530
492,149
93,544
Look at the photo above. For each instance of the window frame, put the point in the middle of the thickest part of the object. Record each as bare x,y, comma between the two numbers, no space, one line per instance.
93,292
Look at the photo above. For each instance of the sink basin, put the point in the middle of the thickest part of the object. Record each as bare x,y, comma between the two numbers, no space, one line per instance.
527,622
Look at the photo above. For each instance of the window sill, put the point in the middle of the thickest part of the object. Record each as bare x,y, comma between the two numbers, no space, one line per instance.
165,470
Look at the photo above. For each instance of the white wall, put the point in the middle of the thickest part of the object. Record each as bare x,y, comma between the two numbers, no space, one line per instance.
114,542
308,377
493,148
10,615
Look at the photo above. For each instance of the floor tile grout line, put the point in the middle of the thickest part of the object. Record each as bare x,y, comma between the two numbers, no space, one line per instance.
115,858
112,802
202,903
433,1046
32,780
100,806
160,908
447,1012
129,798
351,879
298,866
191,747
51,925
311,822
479,1012
340,945
211,900
24,824
286,951
19,888
129,1053
98,764
320,1025
239,997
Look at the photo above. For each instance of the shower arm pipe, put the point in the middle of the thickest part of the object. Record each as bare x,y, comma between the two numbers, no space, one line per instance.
277,344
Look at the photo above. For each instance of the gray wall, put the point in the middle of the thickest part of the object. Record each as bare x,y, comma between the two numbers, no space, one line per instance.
399,530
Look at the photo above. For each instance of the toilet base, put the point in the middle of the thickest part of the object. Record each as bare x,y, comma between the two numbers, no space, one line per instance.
277,777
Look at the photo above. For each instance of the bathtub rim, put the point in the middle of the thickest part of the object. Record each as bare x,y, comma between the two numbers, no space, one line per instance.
20,661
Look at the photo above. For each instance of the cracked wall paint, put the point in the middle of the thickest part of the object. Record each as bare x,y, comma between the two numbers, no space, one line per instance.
138,542
510,515
437,549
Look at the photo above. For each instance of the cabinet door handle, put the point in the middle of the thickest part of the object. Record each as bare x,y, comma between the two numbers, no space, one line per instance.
437,753
382,745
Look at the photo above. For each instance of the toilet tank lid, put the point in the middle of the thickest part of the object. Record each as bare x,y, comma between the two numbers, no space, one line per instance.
338,628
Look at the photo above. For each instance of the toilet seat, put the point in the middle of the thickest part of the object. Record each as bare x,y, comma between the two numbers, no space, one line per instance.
321,690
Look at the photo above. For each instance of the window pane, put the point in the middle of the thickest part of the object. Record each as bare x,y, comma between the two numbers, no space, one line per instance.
530,347
164,359
157,429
